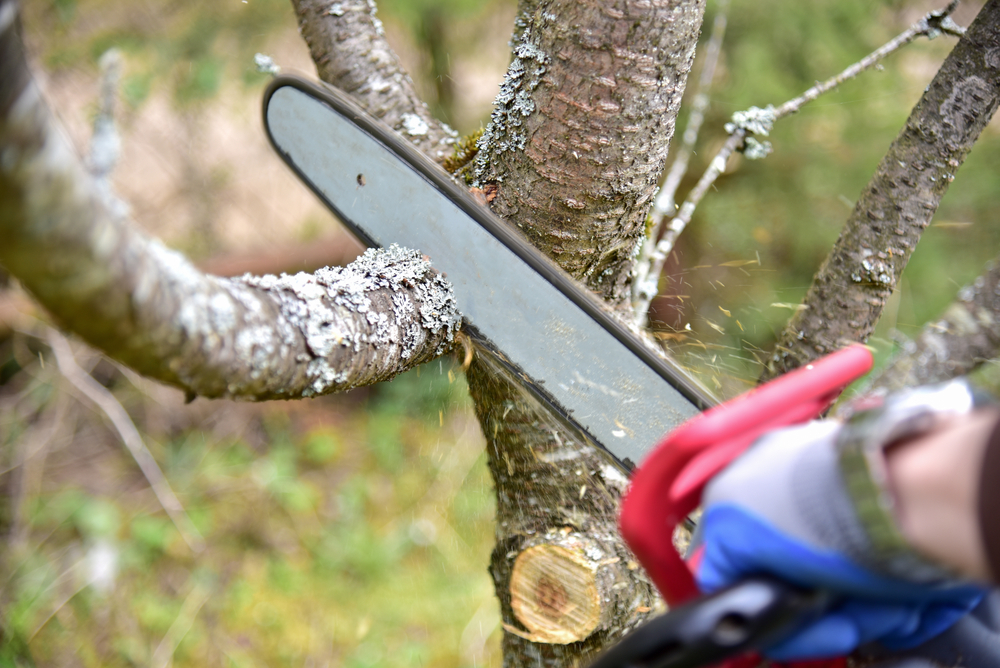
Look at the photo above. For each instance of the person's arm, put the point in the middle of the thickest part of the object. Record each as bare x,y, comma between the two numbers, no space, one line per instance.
935,480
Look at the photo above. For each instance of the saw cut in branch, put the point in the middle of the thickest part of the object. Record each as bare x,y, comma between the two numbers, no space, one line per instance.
850,290
348,45
125,293
561,588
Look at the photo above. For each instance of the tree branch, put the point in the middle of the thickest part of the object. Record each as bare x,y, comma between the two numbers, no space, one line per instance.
348,45
759,121
965,336
253,337
849,292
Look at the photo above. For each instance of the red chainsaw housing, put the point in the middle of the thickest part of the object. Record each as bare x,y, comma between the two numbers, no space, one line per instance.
668,485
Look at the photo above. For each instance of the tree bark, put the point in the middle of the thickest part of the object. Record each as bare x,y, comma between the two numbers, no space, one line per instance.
348,45
72,247
576,142
850,290
558,548
577,139
965,336
580,130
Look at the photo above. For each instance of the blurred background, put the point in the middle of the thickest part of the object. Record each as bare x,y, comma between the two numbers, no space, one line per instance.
354,530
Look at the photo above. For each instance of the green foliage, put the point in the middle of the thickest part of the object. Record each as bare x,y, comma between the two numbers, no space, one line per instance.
354,532
97,518
411,12
187,48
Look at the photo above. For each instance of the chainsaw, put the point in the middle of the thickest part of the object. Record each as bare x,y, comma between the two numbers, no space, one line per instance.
608,384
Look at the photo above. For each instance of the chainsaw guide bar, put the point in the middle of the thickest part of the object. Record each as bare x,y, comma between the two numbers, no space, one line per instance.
554,334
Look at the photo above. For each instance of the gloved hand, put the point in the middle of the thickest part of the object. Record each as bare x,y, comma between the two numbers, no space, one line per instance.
973,642
782,509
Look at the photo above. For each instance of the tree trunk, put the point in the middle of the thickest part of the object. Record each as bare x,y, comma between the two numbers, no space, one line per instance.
580,130
577,139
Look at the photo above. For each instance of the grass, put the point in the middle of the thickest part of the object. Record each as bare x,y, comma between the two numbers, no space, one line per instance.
350,531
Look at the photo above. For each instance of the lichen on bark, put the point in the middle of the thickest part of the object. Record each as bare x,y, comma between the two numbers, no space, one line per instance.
581,127
266,337
347,43
572,155
965,336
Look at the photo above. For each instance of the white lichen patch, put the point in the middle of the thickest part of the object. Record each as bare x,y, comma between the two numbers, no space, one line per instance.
613,476
415,126
874,270
266,65
756,150
505,131
754,120
376,21
335,311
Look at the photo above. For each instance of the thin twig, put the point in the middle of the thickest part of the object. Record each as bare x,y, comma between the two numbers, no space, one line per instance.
759,121
105,144
193,603
30,465
664,205
931,25
126,429
63,577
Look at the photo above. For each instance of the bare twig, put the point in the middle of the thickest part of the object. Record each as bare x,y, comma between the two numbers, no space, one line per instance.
123,424
63,577
756,121
30,464
196,598
930,26
94,565
664,204
105,145
853,285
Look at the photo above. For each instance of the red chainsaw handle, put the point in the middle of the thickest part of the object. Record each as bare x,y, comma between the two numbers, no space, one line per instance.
667,486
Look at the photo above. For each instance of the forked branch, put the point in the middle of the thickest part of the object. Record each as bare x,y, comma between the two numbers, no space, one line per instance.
758,122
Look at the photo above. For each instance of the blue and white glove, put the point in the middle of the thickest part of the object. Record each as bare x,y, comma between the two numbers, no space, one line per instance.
783,509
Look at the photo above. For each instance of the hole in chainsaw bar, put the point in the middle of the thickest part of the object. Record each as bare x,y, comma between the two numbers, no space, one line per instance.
361,179
732,629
